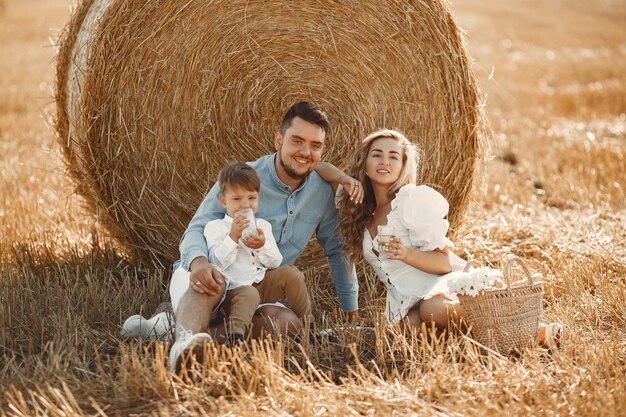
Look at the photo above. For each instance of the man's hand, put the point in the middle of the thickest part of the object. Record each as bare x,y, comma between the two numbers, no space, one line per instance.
205,278
240,222
354,188
255,242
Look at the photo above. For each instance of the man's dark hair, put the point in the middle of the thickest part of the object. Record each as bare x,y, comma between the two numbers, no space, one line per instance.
307,112
239,174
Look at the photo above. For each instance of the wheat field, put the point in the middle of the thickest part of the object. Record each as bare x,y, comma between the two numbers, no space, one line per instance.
553,192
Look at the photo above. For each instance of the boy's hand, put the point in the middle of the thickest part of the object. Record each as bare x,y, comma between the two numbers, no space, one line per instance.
240,222
255,242
354,188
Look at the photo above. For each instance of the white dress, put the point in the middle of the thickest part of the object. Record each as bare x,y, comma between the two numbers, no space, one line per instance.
418,215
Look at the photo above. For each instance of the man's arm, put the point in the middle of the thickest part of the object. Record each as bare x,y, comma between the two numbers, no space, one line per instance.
193,248
192,244
335,177
329,173
343,273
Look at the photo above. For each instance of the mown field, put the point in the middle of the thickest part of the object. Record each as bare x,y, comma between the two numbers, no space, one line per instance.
553,192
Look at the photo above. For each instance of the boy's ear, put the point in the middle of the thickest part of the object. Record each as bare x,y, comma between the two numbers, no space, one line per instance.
222,200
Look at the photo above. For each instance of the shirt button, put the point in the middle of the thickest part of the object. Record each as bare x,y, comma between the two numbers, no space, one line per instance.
290,211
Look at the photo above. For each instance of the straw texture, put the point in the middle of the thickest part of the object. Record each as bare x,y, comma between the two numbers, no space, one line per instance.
154,97
506,319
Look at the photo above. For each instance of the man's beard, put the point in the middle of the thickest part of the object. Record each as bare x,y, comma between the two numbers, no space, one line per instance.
290,171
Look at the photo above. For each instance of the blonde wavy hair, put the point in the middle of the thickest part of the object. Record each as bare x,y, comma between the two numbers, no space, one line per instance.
354,218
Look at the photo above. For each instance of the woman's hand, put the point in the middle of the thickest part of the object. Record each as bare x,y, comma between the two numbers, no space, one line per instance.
354,188
436,261
396,250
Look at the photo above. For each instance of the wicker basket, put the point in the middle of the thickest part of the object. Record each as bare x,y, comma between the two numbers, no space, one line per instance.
506,319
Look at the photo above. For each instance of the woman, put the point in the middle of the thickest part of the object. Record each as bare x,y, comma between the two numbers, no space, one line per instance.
414,264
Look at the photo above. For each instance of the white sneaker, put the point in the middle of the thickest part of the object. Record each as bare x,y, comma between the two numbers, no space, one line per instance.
157,327
188,344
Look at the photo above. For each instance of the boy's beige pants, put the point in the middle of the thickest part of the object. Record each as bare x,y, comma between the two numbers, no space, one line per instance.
285,283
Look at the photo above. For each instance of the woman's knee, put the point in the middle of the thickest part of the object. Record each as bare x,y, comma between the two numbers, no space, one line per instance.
275,318
287,321
412,317
434,310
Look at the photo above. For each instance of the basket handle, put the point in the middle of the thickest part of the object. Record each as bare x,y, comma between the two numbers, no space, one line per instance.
469,264
507,271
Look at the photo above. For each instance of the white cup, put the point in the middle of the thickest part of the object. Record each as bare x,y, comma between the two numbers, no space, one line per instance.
251,229
385,233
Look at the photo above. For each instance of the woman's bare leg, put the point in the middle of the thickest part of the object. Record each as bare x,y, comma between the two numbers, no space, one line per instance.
412,318
274,318
440,310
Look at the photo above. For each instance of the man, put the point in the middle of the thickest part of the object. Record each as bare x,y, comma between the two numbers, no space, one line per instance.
297,203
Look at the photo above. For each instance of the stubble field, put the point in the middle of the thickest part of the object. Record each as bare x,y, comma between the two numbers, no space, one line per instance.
553,192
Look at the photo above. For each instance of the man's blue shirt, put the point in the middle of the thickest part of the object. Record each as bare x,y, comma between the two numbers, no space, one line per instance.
294,215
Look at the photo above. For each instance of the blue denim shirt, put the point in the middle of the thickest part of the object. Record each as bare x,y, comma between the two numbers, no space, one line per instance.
294,215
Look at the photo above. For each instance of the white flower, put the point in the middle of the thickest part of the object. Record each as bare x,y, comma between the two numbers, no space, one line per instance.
474,281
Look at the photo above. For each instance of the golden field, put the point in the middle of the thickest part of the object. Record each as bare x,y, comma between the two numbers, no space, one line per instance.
553,192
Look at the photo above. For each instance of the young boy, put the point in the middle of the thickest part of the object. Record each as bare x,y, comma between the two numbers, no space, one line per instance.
242,259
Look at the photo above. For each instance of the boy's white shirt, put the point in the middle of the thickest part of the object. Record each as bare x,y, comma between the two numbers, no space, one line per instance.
239,264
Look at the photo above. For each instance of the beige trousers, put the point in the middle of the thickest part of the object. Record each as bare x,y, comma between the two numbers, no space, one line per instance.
281,284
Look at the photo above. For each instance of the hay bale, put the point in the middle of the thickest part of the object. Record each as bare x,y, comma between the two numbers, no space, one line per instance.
154,97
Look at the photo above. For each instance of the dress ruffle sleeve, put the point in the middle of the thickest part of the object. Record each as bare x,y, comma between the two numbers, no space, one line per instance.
422,210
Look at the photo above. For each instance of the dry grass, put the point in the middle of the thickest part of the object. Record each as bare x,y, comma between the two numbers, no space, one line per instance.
553,194
154,98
